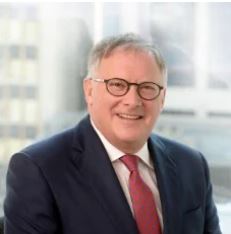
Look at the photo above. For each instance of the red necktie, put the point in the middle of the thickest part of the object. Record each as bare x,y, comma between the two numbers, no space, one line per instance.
142,199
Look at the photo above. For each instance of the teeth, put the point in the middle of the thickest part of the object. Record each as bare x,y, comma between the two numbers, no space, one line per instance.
127,116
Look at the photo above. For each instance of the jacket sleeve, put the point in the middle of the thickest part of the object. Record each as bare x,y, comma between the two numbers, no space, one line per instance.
29,206
211,216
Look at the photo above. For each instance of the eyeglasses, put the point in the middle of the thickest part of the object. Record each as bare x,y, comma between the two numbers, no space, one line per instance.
119,87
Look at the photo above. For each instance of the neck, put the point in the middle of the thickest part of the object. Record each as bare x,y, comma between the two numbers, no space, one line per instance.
128,147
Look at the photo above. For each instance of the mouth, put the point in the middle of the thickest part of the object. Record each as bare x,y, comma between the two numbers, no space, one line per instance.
129,116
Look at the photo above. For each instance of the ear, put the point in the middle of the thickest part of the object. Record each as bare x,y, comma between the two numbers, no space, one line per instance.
87,88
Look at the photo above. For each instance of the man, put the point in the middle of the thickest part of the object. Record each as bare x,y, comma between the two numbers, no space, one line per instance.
110,175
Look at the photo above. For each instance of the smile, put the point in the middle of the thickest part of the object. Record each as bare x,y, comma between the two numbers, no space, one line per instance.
128,116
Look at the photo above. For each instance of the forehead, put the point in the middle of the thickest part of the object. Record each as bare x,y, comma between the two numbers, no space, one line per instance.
129,63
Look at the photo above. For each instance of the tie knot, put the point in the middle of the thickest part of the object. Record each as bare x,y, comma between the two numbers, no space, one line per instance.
130,161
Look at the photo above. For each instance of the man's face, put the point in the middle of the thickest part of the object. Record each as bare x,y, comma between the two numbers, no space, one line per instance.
125,121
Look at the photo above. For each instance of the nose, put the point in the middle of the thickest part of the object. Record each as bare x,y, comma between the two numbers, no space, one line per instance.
132,97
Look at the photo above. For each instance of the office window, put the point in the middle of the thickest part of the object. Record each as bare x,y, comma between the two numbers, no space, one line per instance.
3,31
15,71
21,131
16,111
15,91
31,92
30,71
2,130
3,111
31,132
31,52
3,10
2,173
15,51
174,35
15,131
31,32
15,31
1,93
23,11
19,91
2,61
31,112
2,51
112,18
220,49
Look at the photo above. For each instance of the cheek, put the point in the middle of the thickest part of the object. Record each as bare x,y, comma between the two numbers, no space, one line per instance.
101,103
153,110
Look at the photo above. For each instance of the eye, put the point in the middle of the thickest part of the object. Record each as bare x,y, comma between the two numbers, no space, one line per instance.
117,84
148,87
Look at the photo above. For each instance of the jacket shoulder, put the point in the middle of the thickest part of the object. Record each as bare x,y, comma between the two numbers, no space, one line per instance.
54,147
176,150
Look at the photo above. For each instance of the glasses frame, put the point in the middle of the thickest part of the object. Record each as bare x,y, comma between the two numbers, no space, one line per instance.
129,84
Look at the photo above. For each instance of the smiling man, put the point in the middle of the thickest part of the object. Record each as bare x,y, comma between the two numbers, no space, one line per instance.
125,113
110,174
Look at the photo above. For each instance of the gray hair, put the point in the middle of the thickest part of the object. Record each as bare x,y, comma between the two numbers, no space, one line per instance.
129,41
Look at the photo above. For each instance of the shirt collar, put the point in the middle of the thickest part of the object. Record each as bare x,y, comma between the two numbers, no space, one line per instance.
114,153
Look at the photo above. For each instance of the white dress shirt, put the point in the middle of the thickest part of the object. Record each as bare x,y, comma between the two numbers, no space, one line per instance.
145,167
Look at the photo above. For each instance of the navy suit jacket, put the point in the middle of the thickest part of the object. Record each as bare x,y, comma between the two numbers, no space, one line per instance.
66,185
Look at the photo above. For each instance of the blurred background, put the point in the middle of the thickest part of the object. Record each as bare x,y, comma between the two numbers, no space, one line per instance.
43,56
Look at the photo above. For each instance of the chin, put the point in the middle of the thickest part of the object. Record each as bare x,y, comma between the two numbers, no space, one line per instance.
130,138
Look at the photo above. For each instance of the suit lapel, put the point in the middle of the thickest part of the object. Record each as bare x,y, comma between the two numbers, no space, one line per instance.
168,184
98,172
